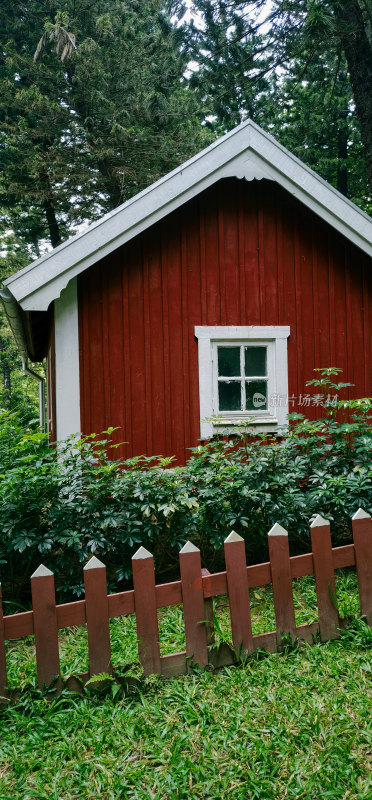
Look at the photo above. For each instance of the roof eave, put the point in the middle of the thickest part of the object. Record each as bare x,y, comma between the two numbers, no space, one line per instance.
246,152
16,319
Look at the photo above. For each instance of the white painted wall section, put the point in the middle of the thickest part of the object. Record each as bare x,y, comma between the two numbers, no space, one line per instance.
67,362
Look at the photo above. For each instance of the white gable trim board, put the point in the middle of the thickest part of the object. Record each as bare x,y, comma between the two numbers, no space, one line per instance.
246,152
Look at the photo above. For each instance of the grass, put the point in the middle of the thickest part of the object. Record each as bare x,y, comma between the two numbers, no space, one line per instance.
293,725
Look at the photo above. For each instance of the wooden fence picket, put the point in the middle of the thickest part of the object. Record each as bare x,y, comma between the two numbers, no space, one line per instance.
281,578
325,584
96,610
362,535
208,613
193,604
196,590
45,627
3,675
238,592
146,611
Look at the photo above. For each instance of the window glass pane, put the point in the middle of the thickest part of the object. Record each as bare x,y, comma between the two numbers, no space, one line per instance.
256,395
229,395
255,361
229,361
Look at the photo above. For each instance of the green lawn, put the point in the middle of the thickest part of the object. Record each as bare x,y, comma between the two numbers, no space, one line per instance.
293,725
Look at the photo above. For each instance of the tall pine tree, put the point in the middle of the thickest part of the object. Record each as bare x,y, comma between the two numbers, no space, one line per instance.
101,111
94,106
287,65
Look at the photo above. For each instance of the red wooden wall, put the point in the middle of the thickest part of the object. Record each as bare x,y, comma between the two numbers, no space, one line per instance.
239,254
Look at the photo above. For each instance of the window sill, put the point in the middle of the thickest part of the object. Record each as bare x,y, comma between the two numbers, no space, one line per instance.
261,424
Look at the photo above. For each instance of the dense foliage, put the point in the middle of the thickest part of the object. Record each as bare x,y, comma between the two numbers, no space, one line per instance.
93,109
100,98
263,59
61,506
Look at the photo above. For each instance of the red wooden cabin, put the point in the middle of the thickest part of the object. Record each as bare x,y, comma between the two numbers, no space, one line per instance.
203,302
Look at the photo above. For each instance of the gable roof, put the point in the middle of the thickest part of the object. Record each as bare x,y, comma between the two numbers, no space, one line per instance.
245,152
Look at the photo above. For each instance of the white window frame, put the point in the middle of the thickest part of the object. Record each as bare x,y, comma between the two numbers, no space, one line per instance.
274,337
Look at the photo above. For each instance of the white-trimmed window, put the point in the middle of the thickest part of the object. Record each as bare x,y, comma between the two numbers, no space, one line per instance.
243,376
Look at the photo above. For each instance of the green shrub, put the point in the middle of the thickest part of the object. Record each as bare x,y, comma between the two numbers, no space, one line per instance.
60,507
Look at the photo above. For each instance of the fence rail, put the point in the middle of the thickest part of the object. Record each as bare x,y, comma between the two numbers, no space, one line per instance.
195,591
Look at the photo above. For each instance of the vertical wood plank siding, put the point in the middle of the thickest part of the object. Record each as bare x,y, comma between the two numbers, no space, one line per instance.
239,254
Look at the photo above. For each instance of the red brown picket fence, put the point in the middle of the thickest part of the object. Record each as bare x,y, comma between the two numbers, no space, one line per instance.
195,591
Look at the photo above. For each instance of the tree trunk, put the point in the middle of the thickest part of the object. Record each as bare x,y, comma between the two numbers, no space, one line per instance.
342,139
110,183
54,232
6,375
7,384
352,32
342,162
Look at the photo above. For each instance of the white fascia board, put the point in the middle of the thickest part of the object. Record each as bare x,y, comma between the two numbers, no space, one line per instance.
38,284
312,190
245,152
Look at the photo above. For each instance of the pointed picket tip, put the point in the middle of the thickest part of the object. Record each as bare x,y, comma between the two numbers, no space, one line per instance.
94,563
141,553
189,547
360,514
277,530
233,537
42,572
319,521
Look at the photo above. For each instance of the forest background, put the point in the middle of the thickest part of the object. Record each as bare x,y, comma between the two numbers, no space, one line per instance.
99,98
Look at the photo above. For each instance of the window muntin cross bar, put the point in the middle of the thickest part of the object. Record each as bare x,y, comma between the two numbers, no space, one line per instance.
242,377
